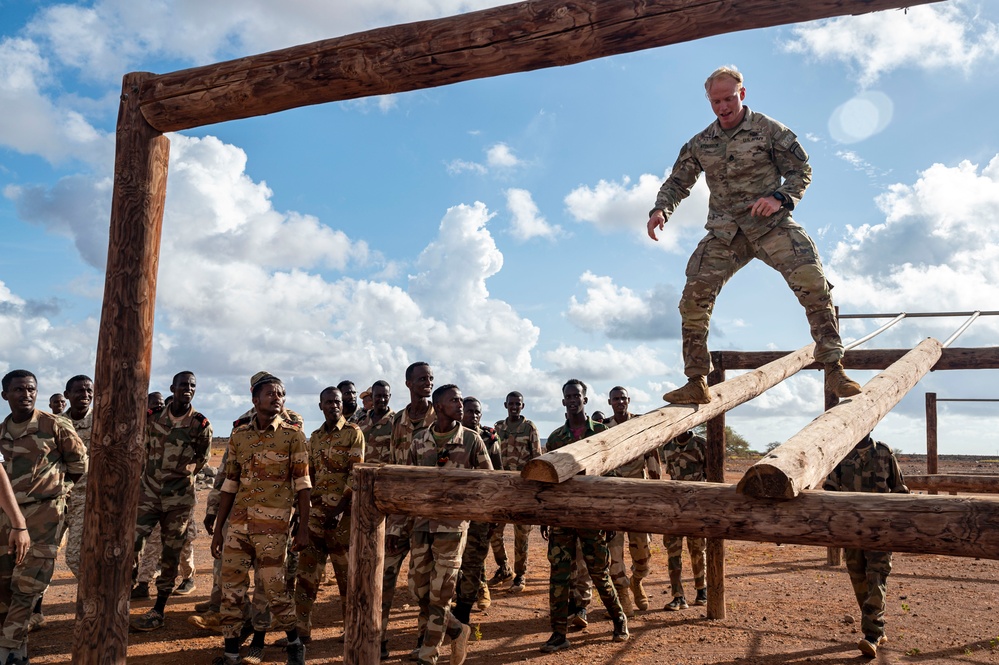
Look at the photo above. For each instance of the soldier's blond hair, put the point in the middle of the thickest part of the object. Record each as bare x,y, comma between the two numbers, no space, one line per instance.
729,71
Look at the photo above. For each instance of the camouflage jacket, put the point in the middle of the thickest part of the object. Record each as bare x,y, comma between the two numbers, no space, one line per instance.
685,461
761,157
461,448
38,461
333,452
636,467
266,469
378,438
563,435
176,449
84,426
404,430
214,496
489,438
519,442
870,467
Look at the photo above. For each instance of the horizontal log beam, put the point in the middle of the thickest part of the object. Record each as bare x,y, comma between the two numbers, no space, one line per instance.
806,459
513,38
952,358
635,437
953,526
946,482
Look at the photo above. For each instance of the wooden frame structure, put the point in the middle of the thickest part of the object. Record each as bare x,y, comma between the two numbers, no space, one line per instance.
513,38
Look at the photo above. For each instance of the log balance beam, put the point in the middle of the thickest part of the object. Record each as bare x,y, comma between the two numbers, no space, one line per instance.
945,482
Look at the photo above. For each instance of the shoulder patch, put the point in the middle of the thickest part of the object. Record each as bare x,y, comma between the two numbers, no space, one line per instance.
200,419
239,422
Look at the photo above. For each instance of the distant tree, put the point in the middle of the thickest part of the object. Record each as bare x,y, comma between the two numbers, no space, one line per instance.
772,445
735,444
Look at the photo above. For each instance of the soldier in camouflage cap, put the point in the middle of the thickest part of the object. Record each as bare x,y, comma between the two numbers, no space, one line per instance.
42,456
683,458
870,467
178,442
756,172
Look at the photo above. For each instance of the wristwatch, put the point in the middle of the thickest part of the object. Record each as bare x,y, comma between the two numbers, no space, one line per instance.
785,202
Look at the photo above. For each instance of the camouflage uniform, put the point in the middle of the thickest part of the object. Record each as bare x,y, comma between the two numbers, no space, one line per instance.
870,467
759,157
38,462
472,575
76,501
519,444
437,545
378,439
638,543
562,548
404,431
685,461
176,449
151,559
333,451
266,470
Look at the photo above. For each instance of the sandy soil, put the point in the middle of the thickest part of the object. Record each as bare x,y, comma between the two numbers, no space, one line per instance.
784,604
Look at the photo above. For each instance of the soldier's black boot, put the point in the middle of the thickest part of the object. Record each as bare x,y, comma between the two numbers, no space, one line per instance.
296,653
462,612
385,652
621,633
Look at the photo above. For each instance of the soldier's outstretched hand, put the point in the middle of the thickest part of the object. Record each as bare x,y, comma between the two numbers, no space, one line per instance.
657,220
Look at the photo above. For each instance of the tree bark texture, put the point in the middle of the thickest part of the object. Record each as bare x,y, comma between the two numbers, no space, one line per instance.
362,625
951,358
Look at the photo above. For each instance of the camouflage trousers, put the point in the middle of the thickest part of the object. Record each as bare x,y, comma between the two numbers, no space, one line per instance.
473,561
268,552
173,520
76,502
640,551
433,574
521,537
390,577
562,548
150,560
674,550
786,248
869,574
22,584
256,611
323,542
580,586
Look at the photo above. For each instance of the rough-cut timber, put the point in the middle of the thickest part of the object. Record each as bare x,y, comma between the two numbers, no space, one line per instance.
804,460
932,459
633,438
946,482
714,470
121,381
362,625
952,358
513,38
954,526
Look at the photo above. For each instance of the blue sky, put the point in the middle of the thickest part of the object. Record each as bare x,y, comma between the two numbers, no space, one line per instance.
496,228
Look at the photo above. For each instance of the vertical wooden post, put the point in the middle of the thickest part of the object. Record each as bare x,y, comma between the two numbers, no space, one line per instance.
714,458
366,563
121,380
834,555
931,435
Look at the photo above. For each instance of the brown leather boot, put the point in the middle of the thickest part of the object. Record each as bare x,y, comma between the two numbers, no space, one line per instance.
838,383
695,391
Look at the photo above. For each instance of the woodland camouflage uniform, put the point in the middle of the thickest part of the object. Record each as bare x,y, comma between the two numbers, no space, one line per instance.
519,444
479,533
683,459
76,501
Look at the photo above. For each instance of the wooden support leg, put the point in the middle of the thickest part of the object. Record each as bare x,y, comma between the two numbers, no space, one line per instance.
366,562
715,470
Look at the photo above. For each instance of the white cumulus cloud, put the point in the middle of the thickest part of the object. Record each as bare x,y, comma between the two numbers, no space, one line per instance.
620,313
526,219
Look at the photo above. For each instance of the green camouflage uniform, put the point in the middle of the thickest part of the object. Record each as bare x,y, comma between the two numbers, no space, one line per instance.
76,501
685,461
333,452
562,547
176,449
519,444
265,470
404,431
759,157
38,463
472,574
870,467
638,543
378,438
437,545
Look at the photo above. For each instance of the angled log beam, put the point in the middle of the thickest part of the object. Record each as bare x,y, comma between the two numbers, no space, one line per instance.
952,358
947,482
513,38
804,460
953,526
608,450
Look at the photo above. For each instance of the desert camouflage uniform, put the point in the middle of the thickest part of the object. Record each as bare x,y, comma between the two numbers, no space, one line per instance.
685,461
266,470
38,463
437,545
76,501
519,444
472,574
378,439
638,543
151,559
333,452
759,157
404,431
870,467
562,548
176,449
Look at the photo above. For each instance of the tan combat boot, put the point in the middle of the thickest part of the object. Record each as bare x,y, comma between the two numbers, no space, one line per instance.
838,383
641,598
625,597
484,599
695,391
